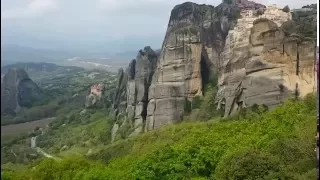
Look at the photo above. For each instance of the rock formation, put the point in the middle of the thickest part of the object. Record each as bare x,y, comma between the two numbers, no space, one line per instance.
134,85
260,64
18,90
252,49
192,46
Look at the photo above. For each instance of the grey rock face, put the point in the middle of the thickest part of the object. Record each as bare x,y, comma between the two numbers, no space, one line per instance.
136,88
120,94
193,43
18,90
260,64
252,56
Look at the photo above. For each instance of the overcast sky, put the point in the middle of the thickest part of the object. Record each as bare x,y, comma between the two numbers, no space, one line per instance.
113,25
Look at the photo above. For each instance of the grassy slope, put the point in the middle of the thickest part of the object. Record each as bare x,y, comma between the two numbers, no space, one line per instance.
276,144
65,103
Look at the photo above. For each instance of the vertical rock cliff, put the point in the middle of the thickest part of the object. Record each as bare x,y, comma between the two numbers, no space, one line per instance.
134,84
189,56
261,64
18,90
254,50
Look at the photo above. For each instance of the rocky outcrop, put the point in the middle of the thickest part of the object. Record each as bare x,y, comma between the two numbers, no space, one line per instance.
193,43
261,64
18,90
95,95
252,49
141,71
134,85
120,95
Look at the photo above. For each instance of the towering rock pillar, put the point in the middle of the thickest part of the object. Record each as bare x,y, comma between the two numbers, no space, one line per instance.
193,43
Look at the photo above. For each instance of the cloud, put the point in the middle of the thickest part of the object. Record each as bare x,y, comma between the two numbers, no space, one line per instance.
32,9
107,24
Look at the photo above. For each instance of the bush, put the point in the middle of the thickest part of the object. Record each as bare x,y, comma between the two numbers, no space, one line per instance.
277,144
187,106
249,164
196,102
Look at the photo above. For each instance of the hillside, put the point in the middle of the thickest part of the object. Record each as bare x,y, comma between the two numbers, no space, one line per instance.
18,91
61,87
272,145
230,95
41,70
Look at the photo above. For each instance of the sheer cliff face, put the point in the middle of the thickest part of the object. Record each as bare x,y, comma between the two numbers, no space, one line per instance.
134,84
261,64
17,90
192,45
140,72
250,47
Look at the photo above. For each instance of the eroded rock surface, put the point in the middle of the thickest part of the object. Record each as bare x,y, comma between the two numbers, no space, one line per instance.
193,43
254,50
136,88
261,64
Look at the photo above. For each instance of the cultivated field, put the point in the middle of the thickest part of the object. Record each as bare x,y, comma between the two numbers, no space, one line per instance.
24,127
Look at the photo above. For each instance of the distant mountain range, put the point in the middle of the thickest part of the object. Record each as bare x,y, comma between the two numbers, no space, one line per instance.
11,54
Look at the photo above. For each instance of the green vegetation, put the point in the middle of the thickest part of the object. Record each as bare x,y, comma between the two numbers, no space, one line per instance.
64,91
306,22
77,131
203,108
32,114
278,144
70,130
15,149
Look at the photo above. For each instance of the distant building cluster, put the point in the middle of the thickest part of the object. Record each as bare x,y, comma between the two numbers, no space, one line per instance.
97,89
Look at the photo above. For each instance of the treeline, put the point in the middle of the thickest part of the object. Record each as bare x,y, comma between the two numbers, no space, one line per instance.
32,114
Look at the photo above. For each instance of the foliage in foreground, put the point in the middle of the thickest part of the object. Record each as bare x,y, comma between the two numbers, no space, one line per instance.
273,145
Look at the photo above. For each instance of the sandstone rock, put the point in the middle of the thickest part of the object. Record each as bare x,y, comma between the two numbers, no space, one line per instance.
257,57
259,63
194,41
136,88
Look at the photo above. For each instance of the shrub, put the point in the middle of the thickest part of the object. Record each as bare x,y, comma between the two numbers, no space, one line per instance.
249,164
196,102
277,144
187,105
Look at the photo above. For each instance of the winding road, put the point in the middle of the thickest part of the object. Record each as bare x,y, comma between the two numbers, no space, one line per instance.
39,150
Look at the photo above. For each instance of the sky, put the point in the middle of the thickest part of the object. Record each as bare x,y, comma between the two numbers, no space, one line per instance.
108,25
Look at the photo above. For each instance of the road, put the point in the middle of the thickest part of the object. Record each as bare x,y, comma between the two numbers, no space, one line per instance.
39,150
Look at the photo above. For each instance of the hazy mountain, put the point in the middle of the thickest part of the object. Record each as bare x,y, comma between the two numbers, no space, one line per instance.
11,54
14,53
